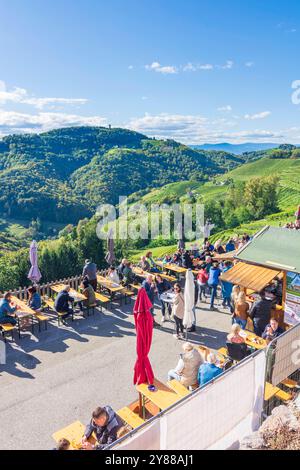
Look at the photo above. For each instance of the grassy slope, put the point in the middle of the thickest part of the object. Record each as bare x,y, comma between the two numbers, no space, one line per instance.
289,195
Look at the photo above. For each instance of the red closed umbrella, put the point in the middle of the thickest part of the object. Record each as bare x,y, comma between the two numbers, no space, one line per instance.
143,319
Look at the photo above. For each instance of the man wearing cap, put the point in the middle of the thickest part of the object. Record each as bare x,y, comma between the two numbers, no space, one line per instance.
90,273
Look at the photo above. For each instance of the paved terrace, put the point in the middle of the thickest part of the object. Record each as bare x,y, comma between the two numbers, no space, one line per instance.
62,374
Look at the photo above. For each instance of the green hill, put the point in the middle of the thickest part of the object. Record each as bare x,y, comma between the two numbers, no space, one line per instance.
64,174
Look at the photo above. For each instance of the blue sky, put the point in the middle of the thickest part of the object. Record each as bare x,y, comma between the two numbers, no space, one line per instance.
195,70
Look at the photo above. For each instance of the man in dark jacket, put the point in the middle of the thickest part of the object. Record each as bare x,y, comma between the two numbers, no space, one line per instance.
62,303
162,285
121,268
90,273
105,424
261,313
149,287
187,260
272,330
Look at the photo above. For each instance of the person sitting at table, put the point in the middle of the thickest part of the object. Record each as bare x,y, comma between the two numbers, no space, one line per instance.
153,265
7,310
128,274
89,293
209,370
218,248
121,267
34,299
208,263
113,275
241,310
162,286
144,265
234,336
62,303
105,424
167,259
177,259
90,271
63,444
178,311
187,261
230,246
187,368
260,313
272,330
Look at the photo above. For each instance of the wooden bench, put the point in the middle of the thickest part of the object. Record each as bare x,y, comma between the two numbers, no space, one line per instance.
289,383
178,388
223,352
128,294
50,305
7,328
135,286
102,299
272,391
41,319
90,309
131,418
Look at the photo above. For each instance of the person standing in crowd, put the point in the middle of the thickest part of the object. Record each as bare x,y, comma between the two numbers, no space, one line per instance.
104,424
209,370
90,272
234,295
213,281
150,289
178,311
272,330
7,310
260,313
162,286
202,278
62,303
241,310
218,248
187,368
227,287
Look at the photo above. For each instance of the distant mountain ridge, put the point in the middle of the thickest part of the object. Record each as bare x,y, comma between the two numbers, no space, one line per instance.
237,149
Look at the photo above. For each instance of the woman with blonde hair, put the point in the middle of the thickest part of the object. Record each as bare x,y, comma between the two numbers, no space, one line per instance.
241,310
234,295
234,336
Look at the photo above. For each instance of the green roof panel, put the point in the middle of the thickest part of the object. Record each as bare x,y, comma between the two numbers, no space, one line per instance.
274,248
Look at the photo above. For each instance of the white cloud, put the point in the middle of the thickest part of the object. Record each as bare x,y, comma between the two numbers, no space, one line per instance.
15,122
253,117
130,67
21,96
227,108
190,67
229,65
249,64
157,67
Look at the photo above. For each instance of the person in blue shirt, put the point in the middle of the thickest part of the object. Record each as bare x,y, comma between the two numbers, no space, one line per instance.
227,288
7,310
213,281
34,299
209,370
230,246
62,303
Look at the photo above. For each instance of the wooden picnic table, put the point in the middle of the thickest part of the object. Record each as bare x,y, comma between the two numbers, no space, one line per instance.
77,296
174,267
162,397
109,284
74,433
140,273
255,341
25,310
